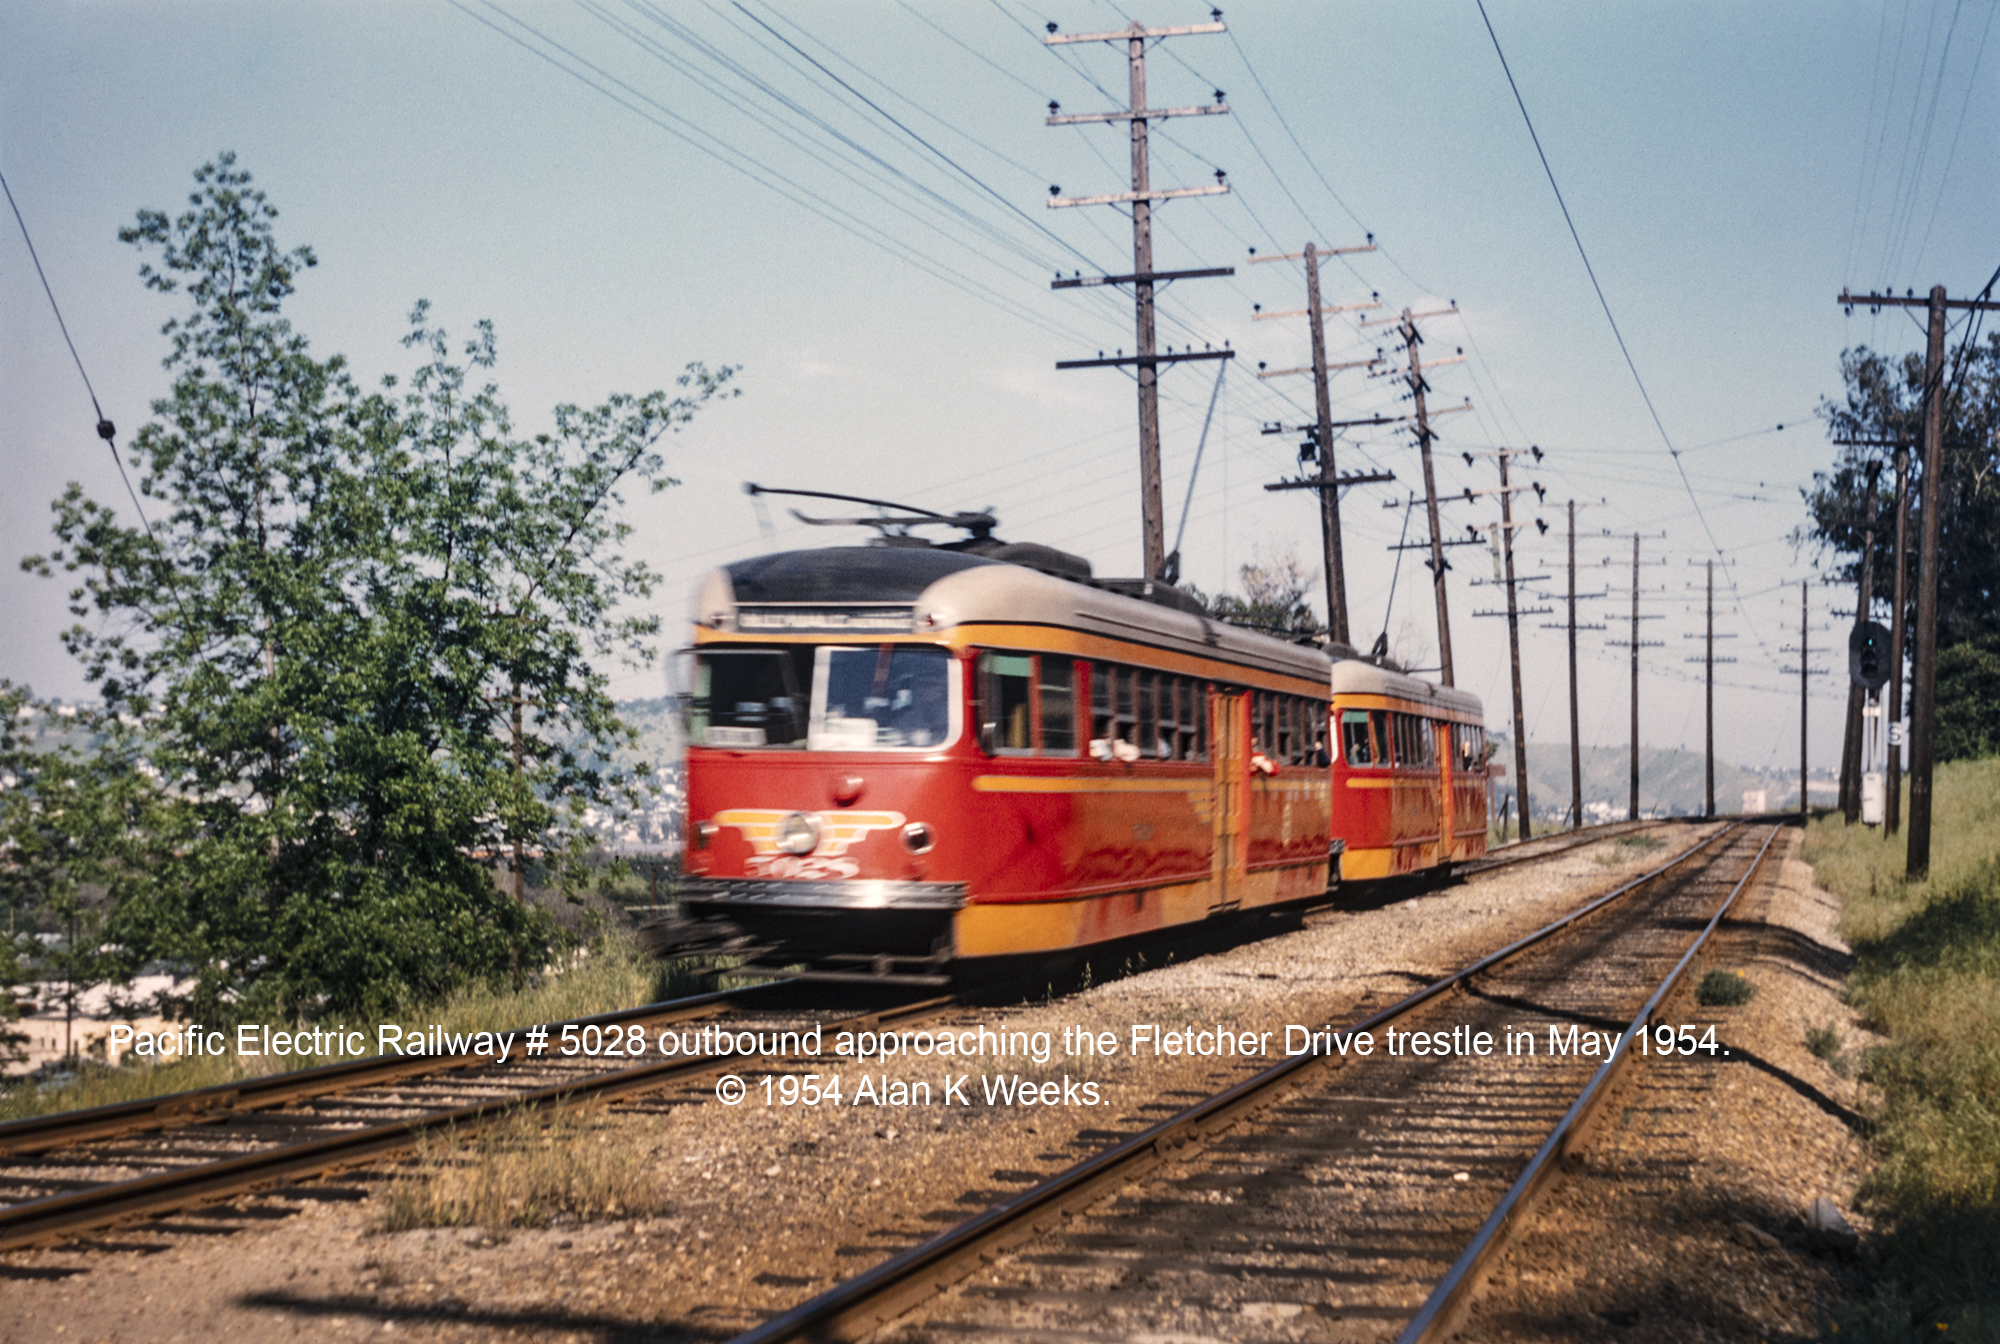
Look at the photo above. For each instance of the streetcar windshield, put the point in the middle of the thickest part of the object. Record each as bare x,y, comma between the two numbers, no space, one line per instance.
823,698
750,697
890,696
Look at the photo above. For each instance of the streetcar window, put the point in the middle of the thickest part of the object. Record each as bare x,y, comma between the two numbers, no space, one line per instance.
1416,745
1101,727
885,697
1166,717
749,697
1192,718
1143,735
1058,707
1355,742
1005,681
1125,714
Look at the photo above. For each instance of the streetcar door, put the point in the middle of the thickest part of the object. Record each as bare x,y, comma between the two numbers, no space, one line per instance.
1447,792
1230,736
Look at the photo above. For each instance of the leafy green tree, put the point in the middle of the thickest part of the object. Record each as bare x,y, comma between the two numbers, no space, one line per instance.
1274,599
79,819
368,635
1968,692
1884,399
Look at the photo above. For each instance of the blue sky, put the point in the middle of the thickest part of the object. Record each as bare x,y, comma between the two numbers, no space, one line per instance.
1729,168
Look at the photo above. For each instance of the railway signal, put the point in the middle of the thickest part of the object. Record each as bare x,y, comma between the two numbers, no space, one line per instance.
1146,358
1851,746
1867,668
1892,792
1923,688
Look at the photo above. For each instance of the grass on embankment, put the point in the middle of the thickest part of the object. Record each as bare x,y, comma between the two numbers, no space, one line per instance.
530,1169
1927,974
614,975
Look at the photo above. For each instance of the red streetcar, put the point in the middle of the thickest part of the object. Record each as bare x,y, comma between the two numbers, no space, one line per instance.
905,756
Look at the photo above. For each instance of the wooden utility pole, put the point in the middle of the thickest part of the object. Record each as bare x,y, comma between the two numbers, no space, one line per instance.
1805,672
1708,793
1412,339
1636,643
1143,278
1804,650
1513,613
1329,494
1892,801
1923,670
1335,565
1708,661
1864,611
1923,679
1514,651
1632,808
1575,731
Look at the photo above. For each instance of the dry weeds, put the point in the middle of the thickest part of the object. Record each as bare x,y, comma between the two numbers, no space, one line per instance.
527,1169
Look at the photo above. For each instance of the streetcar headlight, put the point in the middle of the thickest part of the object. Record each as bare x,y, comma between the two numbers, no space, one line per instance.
918,838
798,833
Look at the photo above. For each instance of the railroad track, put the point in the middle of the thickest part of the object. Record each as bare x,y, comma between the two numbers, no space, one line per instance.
1548,846
1369,1192
65,1175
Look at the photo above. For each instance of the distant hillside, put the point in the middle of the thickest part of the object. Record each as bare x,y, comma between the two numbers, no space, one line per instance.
1670,782
655,828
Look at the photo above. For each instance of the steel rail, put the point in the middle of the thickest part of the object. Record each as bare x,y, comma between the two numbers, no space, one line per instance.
1588,835
39,1133
1441,1311
878,1295
55,1217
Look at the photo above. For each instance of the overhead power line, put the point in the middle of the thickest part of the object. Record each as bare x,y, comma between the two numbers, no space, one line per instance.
105,429
1603,302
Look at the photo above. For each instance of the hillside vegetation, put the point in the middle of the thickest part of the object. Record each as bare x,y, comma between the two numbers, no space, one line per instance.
1927,974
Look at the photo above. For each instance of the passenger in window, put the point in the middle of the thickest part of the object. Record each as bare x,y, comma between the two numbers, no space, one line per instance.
921,712
1320,759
